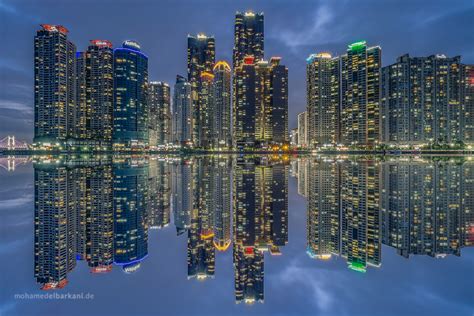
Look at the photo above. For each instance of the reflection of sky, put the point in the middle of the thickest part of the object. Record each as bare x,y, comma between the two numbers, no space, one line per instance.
294,283
418,27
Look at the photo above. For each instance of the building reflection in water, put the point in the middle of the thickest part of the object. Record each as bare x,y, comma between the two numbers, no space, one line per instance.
417,206
99,210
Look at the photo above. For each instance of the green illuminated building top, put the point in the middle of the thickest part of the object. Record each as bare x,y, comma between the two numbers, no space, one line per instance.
357,45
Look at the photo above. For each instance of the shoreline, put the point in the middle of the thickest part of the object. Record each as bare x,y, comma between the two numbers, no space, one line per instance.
6,153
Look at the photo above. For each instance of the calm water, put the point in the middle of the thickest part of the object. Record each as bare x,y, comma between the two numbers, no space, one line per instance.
234,235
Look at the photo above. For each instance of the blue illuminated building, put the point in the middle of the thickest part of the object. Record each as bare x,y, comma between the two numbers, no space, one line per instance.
130,97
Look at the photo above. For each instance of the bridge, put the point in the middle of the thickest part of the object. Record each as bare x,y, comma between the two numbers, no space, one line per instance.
11,143
11,162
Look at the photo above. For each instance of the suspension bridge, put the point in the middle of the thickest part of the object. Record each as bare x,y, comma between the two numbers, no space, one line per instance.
11,162
11,143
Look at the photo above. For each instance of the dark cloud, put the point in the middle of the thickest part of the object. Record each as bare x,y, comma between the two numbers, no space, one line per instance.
293,30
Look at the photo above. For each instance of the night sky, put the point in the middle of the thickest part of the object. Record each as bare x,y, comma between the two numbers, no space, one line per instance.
293,30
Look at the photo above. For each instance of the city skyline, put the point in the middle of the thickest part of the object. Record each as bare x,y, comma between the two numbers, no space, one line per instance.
293,43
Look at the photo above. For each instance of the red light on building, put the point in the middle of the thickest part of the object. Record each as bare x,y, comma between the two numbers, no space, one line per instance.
248,60
54,285
101,269
54,28
248,250
101,43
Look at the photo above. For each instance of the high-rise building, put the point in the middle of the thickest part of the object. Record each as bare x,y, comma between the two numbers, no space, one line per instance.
360,89
261,104
201,58
81,132
182,112
323,221
130,98
204,121
422,205
323,100
220,201
158,205
260,221
303,129
100,218
159,115
422,101
294,137
55,226
248,37
201,251
248,274
130,213
55,86
360,214
468,100
221,106
99,80
182,194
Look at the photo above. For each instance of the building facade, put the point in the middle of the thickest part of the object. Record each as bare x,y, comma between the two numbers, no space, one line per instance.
248,37
323,100
303,129
159,113
260,114
422,101
360,99
201,58
130,97
182,112
55,86
221,106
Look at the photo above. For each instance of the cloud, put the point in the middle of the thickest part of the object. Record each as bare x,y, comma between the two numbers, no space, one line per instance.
14,105
317,281
17,202
316,33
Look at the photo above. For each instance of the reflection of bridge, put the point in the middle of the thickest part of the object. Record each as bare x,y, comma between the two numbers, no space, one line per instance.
11,162
11,143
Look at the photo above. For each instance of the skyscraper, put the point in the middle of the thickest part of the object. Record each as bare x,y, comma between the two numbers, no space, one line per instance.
360,88
221,106
422,101
323,99
158,204
201,58
81,133
248,37
360,214
261,104
182,194
130,216
204,122
303,129
422,206
159,115
55,86
182,112
100,92
55,226
468,100
130,98
220,201
323,222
